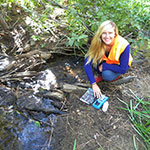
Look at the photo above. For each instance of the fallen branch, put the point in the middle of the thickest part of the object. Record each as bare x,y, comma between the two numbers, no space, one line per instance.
71,87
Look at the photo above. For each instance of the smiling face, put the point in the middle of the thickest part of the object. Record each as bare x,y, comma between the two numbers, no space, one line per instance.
108,35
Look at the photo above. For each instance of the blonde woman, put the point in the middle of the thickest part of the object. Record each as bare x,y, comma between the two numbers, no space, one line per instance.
109,54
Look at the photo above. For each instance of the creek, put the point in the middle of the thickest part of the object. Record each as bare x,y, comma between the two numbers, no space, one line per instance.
27,121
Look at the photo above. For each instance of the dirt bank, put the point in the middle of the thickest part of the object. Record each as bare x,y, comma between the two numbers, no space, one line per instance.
93,129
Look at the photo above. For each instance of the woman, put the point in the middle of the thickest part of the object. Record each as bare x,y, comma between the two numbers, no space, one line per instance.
109,53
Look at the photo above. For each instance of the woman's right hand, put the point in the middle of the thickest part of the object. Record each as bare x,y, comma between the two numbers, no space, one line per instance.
96,90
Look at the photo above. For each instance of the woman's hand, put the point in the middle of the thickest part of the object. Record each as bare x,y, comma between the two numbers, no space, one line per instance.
100,68
96,90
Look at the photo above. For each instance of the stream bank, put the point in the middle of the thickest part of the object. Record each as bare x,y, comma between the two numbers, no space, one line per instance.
51,116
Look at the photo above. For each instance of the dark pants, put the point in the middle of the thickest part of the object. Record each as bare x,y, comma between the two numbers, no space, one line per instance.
107,75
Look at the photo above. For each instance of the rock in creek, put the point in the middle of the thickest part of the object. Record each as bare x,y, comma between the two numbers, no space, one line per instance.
53,94
35,103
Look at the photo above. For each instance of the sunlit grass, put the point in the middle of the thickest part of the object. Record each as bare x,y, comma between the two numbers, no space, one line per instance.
139,114
75,143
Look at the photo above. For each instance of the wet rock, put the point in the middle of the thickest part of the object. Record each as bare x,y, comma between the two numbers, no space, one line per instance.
7,97
33,103
57,97
55,94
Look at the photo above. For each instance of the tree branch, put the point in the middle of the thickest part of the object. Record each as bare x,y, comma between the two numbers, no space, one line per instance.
3,23
56,4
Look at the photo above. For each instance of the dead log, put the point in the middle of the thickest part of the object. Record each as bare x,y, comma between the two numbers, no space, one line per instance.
41,54
72,87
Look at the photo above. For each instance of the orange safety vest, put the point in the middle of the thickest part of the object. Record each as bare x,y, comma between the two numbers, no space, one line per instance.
119,46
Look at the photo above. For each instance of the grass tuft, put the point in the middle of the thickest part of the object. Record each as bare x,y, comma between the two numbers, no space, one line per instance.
139,114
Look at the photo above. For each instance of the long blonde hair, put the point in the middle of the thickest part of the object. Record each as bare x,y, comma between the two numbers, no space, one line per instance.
97,47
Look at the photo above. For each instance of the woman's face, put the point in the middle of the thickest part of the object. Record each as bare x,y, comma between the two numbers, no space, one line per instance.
108,35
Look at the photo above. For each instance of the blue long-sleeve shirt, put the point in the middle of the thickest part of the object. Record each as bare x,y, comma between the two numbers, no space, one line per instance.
121,68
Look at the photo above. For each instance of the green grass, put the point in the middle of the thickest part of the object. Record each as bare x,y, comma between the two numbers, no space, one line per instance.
139,114
75,143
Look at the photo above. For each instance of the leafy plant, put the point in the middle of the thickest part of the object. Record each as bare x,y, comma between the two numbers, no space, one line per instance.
132,17
36,37
77,41
83,18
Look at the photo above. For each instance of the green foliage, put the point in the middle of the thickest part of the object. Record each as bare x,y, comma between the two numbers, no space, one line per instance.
140,117
83,18
77,41
131,16
142,44
36,37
